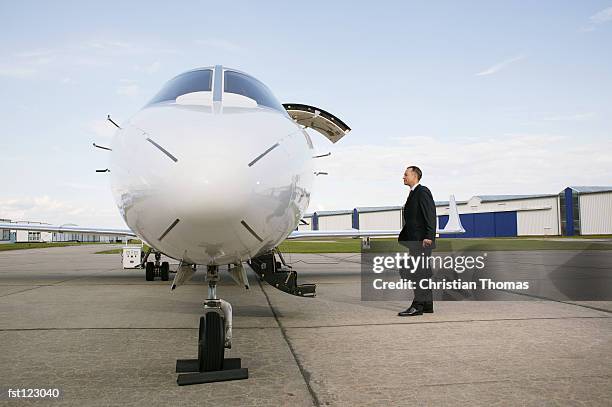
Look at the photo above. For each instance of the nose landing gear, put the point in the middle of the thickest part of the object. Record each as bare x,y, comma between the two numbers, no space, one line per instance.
214,330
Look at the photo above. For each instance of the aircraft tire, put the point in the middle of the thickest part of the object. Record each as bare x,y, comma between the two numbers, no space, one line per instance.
211,342
150,271
165,271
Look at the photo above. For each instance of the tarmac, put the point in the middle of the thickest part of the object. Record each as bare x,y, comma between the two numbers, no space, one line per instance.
75,320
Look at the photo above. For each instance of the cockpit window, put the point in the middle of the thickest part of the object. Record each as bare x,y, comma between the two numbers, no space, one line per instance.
188,82
245,85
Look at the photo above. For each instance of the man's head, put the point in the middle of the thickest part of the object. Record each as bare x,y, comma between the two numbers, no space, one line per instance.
412,176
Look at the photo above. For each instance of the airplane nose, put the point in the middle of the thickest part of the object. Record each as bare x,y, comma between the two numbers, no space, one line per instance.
211,188
206,186
208,167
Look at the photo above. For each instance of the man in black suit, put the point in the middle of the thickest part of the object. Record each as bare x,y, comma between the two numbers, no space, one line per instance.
418,235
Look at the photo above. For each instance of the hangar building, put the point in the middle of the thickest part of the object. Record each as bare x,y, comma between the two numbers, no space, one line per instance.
25,236
590,213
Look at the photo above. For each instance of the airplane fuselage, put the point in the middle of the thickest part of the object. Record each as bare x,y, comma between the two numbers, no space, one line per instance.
211,177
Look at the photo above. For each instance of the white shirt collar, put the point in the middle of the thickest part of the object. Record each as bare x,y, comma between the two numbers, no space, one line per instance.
415,185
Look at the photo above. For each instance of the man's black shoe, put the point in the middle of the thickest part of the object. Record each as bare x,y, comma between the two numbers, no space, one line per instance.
411,312
428,308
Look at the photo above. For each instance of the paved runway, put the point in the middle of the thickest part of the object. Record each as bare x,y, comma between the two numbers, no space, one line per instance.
75,320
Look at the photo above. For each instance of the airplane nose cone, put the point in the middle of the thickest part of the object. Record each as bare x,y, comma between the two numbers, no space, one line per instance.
211,188
217,175
210,181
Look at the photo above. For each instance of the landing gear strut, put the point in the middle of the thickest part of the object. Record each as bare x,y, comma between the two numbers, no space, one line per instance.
211,365
156,269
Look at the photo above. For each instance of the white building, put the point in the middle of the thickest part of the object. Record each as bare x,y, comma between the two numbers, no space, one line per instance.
5,234
25,236
384,217
333,220
590,212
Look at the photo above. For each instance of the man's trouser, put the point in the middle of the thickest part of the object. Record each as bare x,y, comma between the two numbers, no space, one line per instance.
422,272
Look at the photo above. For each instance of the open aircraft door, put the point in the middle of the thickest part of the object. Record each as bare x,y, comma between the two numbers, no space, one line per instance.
318,119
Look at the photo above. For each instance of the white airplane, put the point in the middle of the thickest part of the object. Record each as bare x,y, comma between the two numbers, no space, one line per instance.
215,171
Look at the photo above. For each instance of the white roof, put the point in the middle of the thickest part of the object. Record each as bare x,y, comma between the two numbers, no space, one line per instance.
591,189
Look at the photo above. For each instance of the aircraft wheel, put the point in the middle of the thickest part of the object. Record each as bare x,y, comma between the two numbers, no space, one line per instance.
211,338
150,271
165,271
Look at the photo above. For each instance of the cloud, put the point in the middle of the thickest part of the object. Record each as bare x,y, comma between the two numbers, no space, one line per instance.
35,208
28,64
36,53
128,87
571,117
102,129
513,163
52,63
19,72
602,16
128,90
117,47
149,69
108,45
498,67
81,186
47,209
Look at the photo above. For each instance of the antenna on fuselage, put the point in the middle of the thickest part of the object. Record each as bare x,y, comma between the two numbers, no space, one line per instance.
102,147
111,120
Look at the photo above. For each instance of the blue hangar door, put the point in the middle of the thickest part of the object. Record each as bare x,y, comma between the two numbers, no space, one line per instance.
505,224
491,224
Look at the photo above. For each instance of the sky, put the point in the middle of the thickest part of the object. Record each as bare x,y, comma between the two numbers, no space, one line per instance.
504,97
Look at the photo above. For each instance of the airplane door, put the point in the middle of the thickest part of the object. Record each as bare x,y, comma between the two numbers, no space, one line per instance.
318,119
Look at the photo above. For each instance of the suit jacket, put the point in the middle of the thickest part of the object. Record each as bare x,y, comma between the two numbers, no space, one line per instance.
419,216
